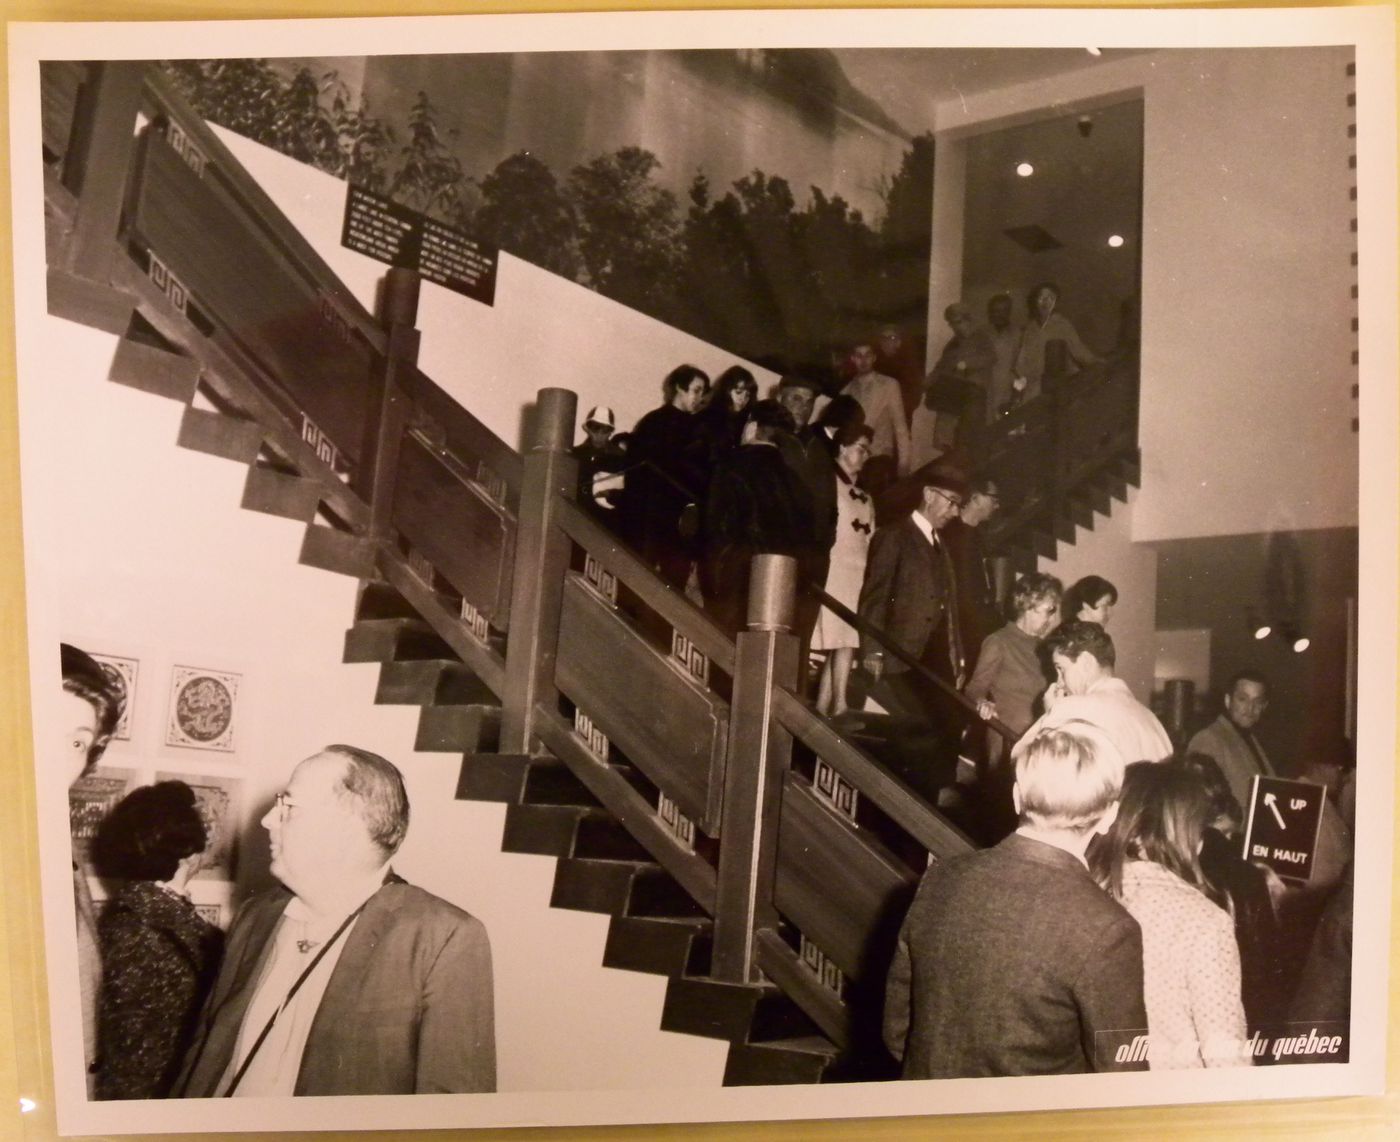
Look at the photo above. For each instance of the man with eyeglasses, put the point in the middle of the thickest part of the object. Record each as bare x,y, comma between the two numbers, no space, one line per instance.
346,980
910,593
979,613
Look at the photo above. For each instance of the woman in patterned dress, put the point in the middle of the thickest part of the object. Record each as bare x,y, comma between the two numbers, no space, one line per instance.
159,956
1150,862
855,520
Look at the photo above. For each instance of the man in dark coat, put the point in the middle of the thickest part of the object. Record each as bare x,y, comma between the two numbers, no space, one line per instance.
665,476
978,612
599,459
809,451
910,593
756,505
1012,960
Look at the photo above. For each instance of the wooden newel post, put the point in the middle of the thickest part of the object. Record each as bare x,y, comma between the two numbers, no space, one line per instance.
387,419
541,561
98,163
759,753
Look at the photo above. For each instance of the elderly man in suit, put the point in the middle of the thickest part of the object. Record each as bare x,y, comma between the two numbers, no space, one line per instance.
347,980
1012,960
910,593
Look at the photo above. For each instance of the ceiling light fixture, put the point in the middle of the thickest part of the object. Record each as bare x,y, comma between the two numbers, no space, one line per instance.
1115,240
1025,170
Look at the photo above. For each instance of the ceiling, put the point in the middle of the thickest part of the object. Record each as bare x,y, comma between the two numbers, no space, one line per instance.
910,83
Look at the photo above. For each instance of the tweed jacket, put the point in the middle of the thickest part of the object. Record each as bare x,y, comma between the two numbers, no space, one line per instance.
907,590
409,1008
1230,747
159,957
1012,961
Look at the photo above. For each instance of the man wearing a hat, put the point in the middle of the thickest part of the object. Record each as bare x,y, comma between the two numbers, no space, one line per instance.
599,458
910,593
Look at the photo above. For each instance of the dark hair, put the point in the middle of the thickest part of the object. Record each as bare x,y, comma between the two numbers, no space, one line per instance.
1002,296
842,410
1222,802
1086,592
1074,638
84,676
852,432
729,380
1245,676
771,417
681,378
376,787
798,381
149,832
1162,816
1035,292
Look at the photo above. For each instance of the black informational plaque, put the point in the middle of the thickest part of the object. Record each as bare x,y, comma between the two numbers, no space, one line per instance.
394,234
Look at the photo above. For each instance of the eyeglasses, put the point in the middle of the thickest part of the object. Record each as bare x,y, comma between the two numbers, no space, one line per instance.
954,501
283,803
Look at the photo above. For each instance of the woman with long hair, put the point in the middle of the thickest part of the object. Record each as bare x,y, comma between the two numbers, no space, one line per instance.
1150,862
720,424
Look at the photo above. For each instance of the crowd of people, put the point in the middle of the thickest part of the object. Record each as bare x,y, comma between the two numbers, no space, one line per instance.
1111,907
1156,941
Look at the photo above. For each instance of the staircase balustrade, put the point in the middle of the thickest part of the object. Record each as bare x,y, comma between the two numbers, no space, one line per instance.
698,743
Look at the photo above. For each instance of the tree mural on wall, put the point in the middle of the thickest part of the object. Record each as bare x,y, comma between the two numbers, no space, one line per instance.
750,268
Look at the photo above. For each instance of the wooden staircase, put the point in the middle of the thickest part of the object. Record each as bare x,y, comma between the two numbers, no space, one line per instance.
656,925
742,847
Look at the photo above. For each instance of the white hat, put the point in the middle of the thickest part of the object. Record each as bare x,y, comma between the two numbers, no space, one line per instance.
601,415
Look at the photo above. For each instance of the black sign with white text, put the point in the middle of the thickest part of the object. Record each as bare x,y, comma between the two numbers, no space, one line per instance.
398,236
1284,817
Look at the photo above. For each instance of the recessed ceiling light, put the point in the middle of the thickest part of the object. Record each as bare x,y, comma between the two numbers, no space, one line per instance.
1300,645
1094,51
1025,170
1263,631
1115,240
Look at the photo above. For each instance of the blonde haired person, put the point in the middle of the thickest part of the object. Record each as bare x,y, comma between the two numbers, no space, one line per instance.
1011,960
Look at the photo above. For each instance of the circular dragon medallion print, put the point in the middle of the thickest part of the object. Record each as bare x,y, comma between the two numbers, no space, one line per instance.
204,708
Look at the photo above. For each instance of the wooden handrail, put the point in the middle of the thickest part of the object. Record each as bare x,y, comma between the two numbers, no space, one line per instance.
531,501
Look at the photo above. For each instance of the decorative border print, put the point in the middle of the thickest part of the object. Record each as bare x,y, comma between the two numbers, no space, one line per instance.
122,671
218,799
90,800
203,708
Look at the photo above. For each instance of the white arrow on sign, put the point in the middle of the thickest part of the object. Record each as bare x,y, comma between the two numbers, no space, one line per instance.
1272,803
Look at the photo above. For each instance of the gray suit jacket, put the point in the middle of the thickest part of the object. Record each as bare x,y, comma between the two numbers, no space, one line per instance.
409,1008
1012,961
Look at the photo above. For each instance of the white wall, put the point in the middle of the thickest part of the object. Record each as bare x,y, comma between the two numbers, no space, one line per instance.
543,331
1108,550
1246,354
138,548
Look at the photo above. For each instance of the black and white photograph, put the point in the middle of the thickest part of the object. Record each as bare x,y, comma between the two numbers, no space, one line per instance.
756,565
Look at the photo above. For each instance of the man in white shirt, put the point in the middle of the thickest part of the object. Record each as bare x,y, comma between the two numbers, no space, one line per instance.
347,980
879,396
1085,690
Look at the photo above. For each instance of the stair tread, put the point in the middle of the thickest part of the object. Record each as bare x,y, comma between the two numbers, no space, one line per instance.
805,1044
